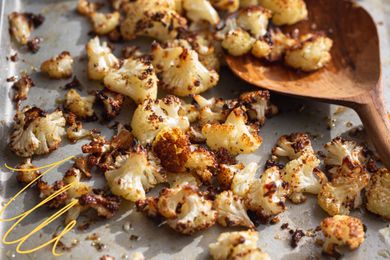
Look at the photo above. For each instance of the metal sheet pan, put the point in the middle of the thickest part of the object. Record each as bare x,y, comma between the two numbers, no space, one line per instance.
65,30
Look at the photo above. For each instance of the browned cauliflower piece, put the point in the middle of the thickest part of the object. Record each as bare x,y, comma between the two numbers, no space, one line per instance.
214,110
104,23
286,11
82,107
254,19
312,53
237,178
343,193
258,105
293,146
135,78
105,205
231,210
200,10
152,116
86,8
181,72
182,179
22,87
154,18
237,245
238,42
58,67
234,135
112,102
25,177
100,59
226,5
76,132
36,132
134,175
378,193
303,176
22,24
194,214
200,162
341,231
267,195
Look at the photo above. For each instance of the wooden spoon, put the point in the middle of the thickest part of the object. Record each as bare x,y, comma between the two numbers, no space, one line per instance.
352,78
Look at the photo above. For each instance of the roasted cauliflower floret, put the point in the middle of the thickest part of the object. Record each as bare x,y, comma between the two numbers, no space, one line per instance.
303,176
82,107
339,149
286,11
135,78
238,178
182,179
153,18
58,67
254,19
238,42
22,24
378,193
152,116
22,87
200,10
237,245
293,146
341,231
76,132
278,43
100,59
181,72
261,49
231,210
104,23
311,54
267,195
135,174
343,193
112,102
234,135
258,105
213,110
28,172
86,8
208,48
186,210
226,5
36,132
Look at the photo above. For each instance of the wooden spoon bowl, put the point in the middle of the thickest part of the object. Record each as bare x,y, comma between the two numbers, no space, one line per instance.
352,78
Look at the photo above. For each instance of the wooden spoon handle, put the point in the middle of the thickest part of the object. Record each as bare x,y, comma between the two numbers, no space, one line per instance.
374,116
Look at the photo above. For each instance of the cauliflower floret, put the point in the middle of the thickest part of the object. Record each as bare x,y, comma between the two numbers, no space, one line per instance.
238,177
303,176
339,149
258,105
58,67
312,53
36,132
195,212
237,245
234,135
267,195
20,27
22,87
279,43
134,175
254,19
87,8
213,110
200,10
152,116
340,231
112,102
378,193
261,49
343,193
293,146
82,107
25,177
153,18
135,78
200,161
182,179
231,210
226,5
104,23
181,72
76,132
100,59
238,42
286,11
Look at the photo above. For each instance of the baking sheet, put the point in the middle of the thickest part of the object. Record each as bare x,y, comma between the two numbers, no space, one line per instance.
65,30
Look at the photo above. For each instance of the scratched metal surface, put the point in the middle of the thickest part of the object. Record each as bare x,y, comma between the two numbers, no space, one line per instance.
65,30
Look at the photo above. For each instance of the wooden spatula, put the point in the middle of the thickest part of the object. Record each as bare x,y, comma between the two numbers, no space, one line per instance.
352,79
